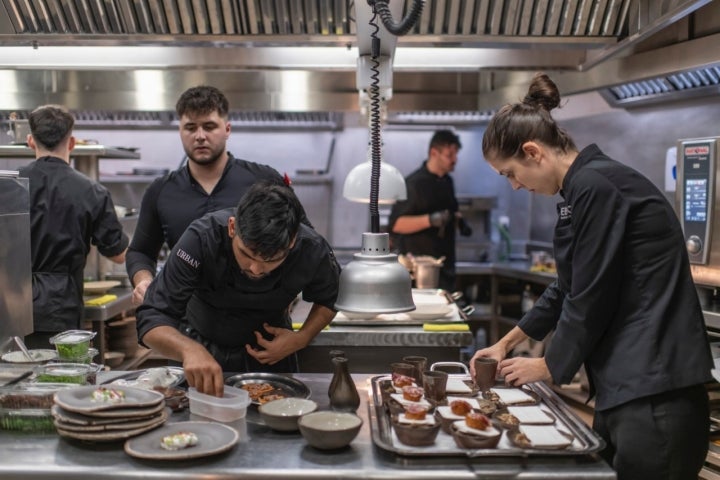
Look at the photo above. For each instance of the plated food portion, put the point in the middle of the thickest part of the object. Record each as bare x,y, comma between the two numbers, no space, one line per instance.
501,421
266,387
182,441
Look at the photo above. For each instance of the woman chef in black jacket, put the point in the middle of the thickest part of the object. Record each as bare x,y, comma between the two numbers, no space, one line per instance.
624,303
221,301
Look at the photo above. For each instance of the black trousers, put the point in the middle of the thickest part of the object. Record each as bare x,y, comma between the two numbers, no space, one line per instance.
237,359
660,437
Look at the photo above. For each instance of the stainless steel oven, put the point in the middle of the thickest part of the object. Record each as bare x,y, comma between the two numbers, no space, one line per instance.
697,198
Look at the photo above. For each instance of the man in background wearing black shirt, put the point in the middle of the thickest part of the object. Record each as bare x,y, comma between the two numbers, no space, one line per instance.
212,179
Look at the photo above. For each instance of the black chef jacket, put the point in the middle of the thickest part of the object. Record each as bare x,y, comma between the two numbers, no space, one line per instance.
68,212
202,287
624,302
428,193
173,201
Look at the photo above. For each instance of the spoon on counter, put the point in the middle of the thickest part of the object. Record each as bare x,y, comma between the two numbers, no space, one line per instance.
23,348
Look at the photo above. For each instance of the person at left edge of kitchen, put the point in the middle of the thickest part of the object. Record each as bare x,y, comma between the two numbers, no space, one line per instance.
220,303
68,213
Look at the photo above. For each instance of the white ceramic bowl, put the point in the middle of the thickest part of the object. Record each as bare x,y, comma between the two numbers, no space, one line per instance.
328,430
283,414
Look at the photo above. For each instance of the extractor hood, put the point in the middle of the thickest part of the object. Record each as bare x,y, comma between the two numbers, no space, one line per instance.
300,55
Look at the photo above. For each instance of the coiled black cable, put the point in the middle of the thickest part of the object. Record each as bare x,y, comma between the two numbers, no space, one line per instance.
404,25
380,7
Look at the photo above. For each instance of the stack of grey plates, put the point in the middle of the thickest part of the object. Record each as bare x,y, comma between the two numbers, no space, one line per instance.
107,413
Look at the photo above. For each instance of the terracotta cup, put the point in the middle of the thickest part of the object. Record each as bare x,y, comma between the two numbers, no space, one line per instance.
401,368
419,364
485,372
435,385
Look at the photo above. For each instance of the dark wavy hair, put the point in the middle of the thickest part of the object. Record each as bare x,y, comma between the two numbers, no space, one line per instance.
50,125
268,218
529,120
203,99
442,138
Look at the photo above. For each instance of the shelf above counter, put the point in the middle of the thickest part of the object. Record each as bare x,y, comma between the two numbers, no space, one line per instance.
100,151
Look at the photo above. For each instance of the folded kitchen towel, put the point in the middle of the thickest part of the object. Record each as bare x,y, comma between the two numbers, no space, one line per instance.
446,327
101,300
298,326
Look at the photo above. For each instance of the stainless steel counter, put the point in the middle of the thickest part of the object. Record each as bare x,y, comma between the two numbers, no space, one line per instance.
265,454
517,270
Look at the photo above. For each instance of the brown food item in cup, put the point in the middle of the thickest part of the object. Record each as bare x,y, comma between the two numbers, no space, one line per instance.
402,380
412,394
415,412
460,407
477,421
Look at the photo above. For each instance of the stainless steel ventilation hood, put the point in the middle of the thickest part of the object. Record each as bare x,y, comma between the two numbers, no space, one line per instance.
299,56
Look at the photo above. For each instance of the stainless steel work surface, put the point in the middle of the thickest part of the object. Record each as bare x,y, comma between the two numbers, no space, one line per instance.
263,453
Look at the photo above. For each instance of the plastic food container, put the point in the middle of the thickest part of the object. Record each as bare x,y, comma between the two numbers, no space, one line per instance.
26,420
26,408
86,359
72,344
232,406
74,373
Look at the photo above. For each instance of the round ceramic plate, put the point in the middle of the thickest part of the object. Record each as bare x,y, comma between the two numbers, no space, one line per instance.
124,425
80,399
213,438
73,418
39,355
430,311
109,436
286,386
99,287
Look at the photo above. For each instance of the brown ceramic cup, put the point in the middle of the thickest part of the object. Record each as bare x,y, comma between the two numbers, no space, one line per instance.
485,372
435,385
401,369
419,364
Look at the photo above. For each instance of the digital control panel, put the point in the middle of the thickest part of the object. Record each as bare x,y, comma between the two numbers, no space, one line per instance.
697,169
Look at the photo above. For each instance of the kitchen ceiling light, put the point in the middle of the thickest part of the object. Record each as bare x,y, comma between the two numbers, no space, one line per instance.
375,282
392,184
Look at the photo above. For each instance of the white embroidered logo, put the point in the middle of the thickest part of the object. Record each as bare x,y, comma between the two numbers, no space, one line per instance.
566,212
187,258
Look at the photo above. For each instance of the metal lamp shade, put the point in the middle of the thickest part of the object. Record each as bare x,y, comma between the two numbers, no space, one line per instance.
392,184
375,282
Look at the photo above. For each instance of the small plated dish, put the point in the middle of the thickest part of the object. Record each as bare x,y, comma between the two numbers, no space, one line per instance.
85,399
38,356
213,438
466,437
416,434
283,414
446,418
541,437
329,430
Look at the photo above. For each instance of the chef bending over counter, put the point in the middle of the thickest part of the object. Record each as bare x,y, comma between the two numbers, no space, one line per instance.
221,301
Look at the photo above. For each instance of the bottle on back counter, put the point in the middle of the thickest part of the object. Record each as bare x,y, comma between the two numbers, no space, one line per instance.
333,381
344,395
528,300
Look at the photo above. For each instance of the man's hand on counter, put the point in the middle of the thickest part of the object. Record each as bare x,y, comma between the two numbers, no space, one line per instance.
203,372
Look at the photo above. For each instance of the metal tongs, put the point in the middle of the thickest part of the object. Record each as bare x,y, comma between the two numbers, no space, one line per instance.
23,348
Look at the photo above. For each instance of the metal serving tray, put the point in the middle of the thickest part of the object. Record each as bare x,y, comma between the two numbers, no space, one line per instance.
585,440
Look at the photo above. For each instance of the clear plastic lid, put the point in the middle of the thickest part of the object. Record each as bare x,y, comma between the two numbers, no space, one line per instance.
72,337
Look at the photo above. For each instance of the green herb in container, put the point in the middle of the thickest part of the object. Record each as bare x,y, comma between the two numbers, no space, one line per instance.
64,373
72,344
